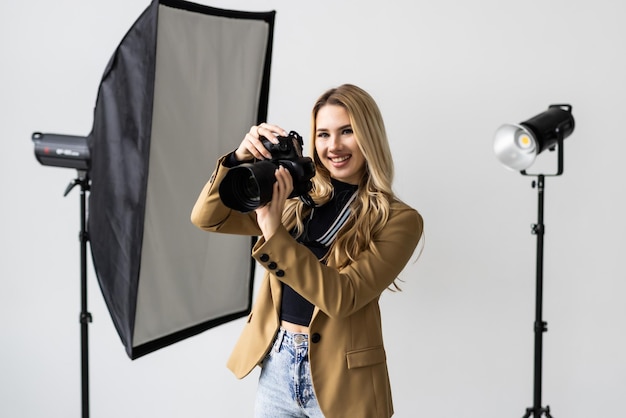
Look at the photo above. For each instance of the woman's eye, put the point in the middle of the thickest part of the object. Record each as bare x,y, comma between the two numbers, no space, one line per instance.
347,131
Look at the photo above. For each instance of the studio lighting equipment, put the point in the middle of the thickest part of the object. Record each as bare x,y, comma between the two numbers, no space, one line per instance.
67,151
71,151
516,146
181,88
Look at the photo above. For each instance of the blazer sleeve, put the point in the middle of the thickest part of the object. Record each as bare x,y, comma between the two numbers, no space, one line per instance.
210,214
340,293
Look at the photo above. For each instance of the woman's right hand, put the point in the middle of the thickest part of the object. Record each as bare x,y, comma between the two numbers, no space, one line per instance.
251,147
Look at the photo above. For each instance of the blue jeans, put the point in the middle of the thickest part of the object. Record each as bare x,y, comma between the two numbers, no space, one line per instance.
285,388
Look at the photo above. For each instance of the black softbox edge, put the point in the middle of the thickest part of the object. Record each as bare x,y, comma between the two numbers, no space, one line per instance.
268,17
154,345
123,311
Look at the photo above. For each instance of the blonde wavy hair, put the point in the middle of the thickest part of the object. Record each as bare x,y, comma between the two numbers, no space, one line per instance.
370,210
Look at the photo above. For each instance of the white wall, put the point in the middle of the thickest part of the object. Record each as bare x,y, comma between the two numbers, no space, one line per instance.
446,74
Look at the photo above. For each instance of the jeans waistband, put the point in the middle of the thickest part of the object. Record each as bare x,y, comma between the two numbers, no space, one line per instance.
292,339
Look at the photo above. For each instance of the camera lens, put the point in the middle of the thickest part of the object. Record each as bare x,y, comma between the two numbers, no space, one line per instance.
251,190
248,186
243,191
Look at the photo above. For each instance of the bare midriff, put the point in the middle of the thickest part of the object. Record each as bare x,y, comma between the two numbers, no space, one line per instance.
291,327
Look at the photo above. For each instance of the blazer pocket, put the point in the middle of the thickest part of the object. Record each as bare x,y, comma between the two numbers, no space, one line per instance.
366,357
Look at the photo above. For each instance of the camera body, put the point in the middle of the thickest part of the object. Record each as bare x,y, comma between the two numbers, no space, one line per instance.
250,185
288,153
288,148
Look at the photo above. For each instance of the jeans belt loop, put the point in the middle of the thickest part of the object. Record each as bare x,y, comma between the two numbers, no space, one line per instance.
279,340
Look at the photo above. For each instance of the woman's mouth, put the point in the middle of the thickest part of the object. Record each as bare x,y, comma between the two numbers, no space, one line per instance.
338,160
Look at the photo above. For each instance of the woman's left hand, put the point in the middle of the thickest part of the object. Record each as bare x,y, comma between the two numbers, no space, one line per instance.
269,216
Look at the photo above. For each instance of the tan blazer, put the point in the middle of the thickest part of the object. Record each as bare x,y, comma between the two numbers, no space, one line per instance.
346,353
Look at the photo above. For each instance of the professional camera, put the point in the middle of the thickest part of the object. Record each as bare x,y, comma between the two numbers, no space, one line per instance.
249,185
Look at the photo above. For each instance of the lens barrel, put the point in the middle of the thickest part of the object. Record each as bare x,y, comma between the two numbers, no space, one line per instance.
248,186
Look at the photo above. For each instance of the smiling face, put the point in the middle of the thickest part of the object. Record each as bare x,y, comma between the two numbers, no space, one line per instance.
337,146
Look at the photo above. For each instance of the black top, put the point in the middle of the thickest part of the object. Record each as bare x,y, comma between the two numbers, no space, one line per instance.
318,235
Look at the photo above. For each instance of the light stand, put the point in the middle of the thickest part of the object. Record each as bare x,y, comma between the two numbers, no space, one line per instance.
71,151
541,326
85,317
517,146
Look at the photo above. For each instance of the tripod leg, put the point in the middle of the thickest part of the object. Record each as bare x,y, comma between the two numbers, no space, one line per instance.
528,412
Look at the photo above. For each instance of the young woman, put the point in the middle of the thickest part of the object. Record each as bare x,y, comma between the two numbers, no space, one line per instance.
315,327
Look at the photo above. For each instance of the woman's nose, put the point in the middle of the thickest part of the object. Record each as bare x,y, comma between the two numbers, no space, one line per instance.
335,142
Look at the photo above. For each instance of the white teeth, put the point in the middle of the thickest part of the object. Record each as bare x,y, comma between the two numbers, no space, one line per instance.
339,159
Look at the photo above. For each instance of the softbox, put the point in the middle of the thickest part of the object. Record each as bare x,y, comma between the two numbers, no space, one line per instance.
182,88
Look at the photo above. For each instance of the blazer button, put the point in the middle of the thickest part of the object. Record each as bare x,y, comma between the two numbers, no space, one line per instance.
280,273
264,258
315,338
272,265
